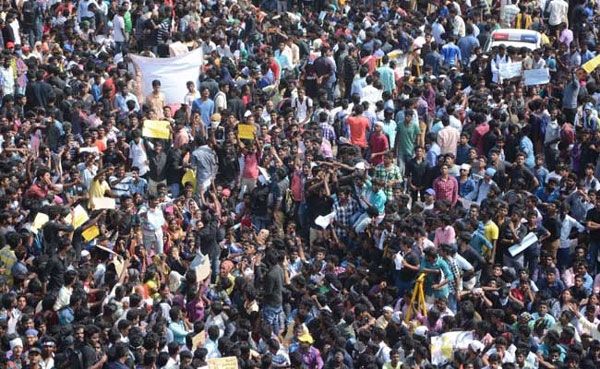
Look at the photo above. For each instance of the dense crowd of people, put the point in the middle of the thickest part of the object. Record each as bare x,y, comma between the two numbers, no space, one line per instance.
345,185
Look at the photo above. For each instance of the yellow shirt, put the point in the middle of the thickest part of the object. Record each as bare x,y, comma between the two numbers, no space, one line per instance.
491,231
98,189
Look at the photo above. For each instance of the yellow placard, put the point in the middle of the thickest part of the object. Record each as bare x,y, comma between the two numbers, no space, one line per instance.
198,340
80,216
245,132
90,233
39,221
99,203
229,362
592,64
156,129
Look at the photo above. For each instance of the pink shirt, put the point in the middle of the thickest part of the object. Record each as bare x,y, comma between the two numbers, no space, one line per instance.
444,235
250,166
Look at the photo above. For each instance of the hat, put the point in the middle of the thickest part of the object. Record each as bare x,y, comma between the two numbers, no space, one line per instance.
379,123
525,316
466,167
16,342
226,192
34,350
397,317
388,308
588,106
215,117
306,337
421,331
430,191
490,172
360,165
476,346
31,332
85,254
26,48
10,45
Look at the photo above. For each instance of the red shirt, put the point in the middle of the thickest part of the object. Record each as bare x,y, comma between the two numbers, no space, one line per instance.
378,142
275,69
446,189
358,130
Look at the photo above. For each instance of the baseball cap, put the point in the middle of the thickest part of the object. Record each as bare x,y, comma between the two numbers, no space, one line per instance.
490,172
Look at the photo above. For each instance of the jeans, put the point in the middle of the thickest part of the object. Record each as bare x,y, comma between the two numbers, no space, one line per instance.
593,251
531,258
175,189
452,302
273,316
120,47
261,222
563,257
403,286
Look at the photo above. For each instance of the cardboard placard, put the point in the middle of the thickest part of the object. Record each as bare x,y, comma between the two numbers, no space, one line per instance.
245,132
229,362
156,129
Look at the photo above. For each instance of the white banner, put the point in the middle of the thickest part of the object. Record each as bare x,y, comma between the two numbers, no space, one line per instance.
444,346
510,70
536,76
173,74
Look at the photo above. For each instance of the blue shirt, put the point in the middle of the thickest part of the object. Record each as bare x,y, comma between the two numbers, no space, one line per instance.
206,109
466,45
450,52
526,146
462,154
465,188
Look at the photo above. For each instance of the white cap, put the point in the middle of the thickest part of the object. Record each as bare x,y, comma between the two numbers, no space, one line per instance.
476,346
16,342
421,331
388,308
85,253
465,166
360,165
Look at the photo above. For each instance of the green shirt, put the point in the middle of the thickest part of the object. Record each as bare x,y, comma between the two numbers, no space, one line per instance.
128,24
407,135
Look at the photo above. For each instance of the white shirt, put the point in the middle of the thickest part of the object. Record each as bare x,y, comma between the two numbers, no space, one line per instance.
119,28
8,80
138,157
302,108
567,225
558,12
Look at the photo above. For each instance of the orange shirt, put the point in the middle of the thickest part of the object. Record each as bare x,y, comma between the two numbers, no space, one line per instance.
358,130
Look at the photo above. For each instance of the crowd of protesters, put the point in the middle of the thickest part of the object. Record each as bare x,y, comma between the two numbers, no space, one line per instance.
385,148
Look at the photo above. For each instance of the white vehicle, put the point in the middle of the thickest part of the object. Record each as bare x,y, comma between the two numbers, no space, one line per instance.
516,38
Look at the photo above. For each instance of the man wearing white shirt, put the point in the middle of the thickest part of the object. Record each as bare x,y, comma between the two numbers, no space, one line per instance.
119,34
558,10
457,22
83,12
371,94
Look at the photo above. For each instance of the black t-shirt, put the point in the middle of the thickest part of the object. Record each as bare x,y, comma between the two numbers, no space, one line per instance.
406,274
593,215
